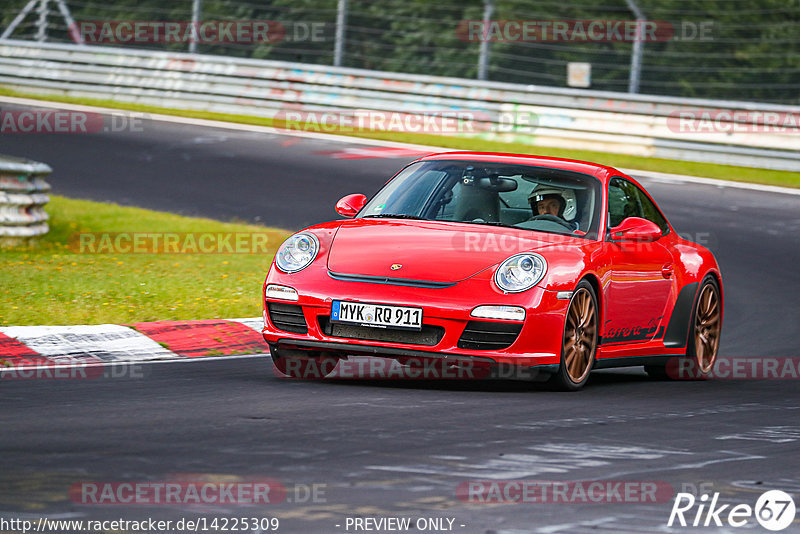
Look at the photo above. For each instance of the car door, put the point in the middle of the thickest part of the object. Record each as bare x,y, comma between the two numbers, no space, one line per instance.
641,281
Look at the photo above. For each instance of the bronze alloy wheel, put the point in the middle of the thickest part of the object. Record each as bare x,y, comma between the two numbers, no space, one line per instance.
707,326
579,343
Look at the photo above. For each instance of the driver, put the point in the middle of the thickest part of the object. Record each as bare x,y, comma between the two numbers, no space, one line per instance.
549,204
547,201
550,201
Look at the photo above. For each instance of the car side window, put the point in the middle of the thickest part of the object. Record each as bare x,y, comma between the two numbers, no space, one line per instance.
650,211
623,201
627,200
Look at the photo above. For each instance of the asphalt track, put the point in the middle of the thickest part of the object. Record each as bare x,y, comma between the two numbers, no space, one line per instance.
399,448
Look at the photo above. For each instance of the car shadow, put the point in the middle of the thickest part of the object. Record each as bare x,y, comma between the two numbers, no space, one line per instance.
599,379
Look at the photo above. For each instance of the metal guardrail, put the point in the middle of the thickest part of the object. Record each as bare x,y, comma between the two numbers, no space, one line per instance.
22,198
566,118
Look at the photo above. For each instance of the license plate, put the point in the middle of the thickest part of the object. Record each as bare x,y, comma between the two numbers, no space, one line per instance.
376,315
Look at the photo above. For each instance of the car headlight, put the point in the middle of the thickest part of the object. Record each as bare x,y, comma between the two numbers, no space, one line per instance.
297,252
520,272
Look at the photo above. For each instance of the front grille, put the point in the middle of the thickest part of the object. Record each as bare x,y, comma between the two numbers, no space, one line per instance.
486,335
429,335
287,317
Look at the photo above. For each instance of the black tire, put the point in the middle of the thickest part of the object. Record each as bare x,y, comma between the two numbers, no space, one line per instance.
579,340
304,364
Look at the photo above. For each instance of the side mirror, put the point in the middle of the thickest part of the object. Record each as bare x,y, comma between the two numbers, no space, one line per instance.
350,205
635,229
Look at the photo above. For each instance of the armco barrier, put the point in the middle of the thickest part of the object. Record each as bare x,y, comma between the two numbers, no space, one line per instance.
22,199
567,118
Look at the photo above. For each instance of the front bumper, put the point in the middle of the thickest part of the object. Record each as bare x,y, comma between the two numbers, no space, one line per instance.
446,312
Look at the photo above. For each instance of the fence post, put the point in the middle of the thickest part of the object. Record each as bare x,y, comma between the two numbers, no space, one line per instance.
73,29
483,58
41,22
341,22
638,47
197,6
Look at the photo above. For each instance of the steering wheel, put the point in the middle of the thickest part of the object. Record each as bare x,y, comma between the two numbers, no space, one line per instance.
555,219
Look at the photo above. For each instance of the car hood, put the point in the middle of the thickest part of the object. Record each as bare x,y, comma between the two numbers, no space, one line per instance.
432,251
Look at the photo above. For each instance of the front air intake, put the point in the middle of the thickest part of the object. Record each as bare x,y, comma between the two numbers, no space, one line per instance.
489,335
287,317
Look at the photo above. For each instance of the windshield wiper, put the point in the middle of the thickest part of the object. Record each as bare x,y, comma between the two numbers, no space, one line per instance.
394,216
491,223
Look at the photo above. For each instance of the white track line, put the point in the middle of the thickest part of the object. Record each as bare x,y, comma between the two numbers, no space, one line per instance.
664,177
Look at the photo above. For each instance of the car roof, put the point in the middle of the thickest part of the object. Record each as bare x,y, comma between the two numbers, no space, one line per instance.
594,169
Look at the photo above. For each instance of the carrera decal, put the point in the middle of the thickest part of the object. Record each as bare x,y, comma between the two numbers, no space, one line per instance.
631,333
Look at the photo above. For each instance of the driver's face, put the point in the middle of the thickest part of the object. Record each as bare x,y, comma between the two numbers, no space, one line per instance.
548,206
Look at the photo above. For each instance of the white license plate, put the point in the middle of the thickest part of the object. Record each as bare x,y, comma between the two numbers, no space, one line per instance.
376,315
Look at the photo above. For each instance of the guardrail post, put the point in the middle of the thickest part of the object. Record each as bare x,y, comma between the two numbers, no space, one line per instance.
341,22
483,58
22,199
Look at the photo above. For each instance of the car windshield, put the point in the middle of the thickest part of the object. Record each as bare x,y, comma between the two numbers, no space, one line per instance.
521,196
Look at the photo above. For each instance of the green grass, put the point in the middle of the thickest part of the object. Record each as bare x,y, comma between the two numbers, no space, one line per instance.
52,282
709,170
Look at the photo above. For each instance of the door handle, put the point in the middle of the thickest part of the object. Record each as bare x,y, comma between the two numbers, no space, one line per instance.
667,270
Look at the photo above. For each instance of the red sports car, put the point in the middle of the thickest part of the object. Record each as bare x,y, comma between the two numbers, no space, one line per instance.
474,260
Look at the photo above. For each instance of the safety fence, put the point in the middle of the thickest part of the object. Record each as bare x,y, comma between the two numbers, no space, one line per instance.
728,50
722,132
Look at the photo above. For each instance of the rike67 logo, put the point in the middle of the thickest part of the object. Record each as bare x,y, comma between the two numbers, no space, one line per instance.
774,510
